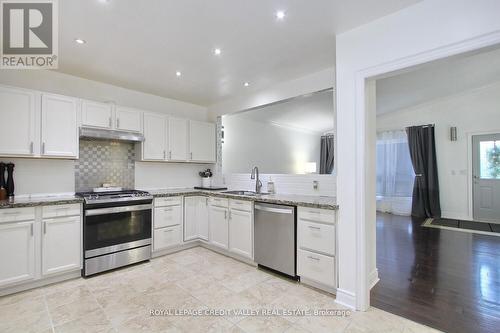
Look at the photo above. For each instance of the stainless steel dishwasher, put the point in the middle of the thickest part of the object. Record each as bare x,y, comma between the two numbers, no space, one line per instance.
275,237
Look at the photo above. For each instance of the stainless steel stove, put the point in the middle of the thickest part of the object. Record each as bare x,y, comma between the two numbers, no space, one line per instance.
116,229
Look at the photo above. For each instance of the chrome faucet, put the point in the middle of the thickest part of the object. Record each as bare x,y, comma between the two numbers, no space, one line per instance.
255,175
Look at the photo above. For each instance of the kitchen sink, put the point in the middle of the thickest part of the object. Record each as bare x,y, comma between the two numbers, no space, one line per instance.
249,193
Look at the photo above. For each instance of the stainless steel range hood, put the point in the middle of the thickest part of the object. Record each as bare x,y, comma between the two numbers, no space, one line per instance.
102,134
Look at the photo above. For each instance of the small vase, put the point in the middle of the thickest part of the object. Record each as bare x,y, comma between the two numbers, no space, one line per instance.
206,182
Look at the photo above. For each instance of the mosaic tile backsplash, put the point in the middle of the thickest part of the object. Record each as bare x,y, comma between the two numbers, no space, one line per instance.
104,161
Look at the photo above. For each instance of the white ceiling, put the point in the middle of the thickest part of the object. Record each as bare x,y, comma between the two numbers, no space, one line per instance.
313,113
438,80
141,44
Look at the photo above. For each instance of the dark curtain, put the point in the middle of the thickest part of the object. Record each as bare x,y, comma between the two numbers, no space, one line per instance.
327,155
422,146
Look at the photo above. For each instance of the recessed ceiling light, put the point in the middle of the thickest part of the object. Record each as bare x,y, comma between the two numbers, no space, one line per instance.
280,14
104,1
178,73
246,84
80,41
217,51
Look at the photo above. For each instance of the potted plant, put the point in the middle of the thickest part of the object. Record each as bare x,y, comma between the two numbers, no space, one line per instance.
206,178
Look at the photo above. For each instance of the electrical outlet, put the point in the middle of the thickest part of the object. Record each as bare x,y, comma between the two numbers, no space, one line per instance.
315,184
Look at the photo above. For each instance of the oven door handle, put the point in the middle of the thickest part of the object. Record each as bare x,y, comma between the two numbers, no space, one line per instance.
114,210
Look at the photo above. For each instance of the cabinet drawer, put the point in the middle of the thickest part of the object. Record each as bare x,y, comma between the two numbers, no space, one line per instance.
168,201
317,237
316,215
17,214
166,237
61,211
167,216
219,202
243,205
316,267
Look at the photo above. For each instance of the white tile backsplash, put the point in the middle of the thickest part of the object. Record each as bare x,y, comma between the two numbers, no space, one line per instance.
285,184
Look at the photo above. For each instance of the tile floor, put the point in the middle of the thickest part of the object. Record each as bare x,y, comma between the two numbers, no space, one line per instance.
196,279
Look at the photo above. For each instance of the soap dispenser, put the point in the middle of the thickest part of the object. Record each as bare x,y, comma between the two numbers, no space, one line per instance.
270,186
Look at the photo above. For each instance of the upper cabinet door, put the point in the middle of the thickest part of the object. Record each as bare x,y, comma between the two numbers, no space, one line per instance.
96,114
128,119
201,141
59,126
17,116
178,139
155,135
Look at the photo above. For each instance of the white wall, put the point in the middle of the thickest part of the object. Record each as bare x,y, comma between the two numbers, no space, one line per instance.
426,31
474,111
37,176
54,175
274,149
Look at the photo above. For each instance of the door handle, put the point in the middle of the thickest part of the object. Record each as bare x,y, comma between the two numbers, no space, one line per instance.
315,228
44,228
110,122
31,148
117,122
43,147
31,229
170,155
313,258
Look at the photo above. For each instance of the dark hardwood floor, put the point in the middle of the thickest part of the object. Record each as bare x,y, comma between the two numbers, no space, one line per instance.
449,280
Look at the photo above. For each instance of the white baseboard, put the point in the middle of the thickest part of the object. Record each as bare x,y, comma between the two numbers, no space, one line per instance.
373,278
40,283
455,216
346,298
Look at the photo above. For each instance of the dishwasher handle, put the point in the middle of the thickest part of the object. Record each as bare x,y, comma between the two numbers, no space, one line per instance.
274,209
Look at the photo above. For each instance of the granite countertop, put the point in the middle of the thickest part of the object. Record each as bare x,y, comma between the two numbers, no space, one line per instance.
314,201
19,202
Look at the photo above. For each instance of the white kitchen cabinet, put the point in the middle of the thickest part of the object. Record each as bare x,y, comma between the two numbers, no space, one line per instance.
59,126
17,252
201,141
128,119
99,115
177,139
167,237
202,217
190,218
195,218
155,134
316,247
218,219
241,232
167,216
18,118
61,244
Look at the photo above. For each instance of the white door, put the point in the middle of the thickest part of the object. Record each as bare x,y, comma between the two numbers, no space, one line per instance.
486,172
128,119
17,252
178,139
240,233
17,111
96,114
202,217
59,126
201,141
61,244
218,226
155,134
190,218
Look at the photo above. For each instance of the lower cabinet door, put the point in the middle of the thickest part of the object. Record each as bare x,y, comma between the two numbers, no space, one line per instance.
316,267
17,252
202,217
166,237
240,233
61,245
218,220
190,218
